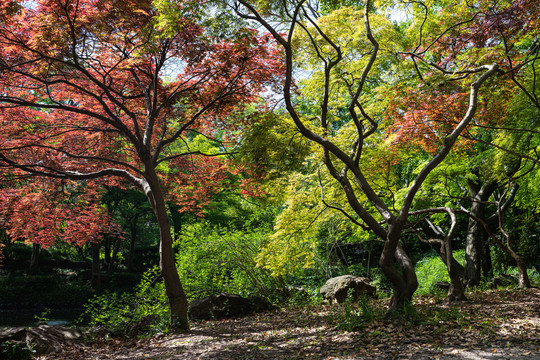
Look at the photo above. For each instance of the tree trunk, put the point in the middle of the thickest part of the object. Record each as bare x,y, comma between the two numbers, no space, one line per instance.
114,256
95,280
133,234
404,283
106,249
442,244
477,253
34,259
175,293
456,292
524,281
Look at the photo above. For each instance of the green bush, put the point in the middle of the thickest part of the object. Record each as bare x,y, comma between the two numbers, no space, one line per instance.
214,260
145,311
12,350
431,270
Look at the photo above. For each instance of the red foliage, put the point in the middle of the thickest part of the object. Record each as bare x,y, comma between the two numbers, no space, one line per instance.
47,210
91,88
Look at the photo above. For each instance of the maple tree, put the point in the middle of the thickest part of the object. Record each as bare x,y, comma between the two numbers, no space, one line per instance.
499,139
93,89
347,79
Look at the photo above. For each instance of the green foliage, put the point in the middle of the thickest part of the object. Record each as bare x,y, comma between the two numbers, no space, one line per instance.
352,317
431,270
145,311
44,317
211,260
13,350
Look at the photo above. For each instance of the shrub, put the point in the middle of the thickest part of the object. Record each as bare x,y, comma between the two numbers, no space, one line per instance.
215,260
145,311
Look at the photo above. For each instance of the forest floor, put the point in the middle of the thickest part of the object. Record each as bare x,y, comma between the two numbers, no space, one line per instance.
497,324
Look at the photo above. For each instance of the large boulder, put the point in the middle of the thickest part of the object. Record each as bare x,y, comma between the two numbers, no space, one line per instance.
337,288
225,305
41,339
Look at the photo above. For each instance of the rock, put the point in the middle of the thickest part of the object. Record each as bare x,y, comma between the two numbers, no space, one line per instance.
138,327
442,285
225,305
296,294
337,288
502,280
41,339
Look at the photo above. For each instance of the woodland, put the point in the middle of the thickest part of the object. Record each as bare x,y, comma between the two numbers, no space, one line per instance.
154,152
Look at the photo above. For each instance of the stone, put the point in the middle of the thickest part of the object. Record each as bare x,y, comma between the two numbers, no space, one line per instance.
42,339
296,294
139,327
337,288
502,280
442,285
225,305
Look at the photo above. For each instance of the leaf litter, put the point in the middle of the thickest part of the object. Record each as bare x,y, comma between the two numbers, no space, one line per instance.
496,324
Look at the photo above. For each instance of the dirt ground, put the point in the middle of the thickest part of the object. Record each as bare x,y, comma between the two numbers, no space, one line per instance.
503,324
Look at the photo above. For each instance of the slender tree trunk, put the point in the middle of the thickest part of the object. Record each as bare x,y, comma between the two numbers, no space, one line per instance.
114,256
173,288
524,281
34,259
442,244
107,249
95,280
133,233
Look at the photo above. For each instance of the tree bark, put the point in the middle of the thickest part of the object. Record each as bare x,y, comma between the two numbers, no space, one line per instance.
477,253
95,280
173,288
133,234
442,244
404,283
34,259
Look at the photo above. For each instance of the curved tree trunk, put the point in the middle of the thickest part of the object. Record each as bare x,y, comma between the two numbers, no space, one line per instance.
456,292
524,281
442,244
173,288
404,283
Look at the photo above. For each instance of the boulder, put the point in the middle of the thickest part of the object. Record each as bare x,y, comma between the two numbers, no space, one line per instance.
442,285
502,280
225,305
42,339
337,288
296,294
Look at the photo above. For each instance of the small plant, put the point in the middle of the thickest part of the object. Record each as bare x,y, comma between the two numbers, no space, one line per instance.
44,317
410,313
13,350
368,312
143,312
351,318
